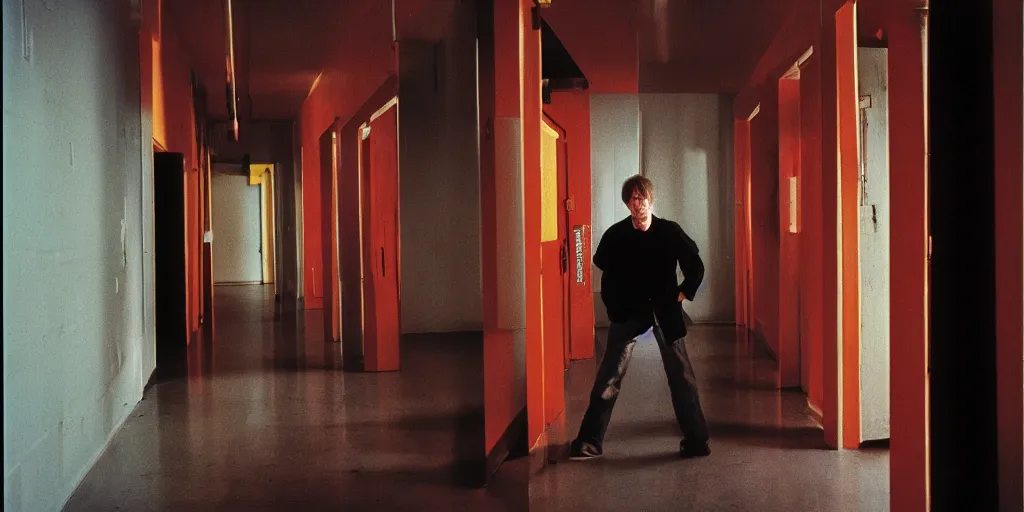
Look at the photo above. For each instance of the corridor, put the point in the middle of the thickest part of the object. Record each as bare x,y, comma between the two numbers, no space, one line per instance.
267,420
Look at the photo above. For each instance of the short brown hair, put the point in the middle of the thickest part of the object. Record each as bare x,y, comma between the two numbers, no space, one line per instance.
637,183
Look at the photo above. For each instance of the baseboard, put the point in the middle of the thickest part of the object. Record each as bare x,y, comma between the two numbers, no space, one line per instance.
758,336
815,413
875,444
99,454
506,447
551,446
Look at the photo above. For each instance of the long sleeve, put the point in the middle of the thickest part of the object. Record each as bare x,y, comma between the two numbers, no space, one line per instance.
602,256
690,263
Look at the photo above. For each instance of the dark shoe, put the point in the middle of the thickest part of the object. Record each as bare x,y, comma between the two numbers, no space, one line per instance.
691,450
579,450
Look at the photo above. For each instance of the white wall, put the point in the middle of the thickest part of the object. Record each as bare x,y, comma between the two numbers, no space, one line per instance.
615,156
687,151
683,143
440,182
75,350
237,238
874,248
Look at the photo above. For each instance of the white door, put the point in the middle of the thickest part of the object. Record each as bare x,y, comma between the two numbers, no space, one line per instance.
874,244
237,239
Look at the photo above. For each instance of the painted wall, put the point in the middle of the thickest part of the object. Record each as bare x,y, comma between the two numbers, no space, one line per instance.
687,152
874,244
1008,31
237,239
76,352
347,81
615,146
440,182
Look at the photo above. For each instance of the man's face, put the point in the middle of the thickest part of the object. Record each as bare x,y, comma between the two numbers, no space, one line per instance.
639,206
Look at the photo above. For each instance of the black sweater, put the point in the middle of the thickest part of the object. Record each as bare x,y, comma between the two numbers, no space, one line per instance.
639,267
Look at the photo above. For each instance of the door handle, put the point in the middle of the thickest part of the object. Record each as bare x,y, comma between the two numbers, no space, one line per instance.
564,256
383,267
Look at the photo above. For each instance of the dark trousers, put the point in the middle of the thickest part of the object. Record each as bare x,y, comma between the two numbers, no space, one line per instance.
681,380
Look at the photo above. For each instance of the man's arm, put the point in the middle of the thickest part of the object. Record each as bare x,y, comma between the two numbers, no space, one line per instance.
602,256
688,256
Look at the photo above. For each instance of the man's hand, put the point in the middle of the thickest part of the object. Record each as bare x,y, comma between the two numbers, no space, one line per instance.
681,297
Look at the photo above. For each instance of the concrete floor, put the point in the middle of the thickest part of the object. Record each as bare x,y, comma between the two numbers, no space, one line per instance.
266,420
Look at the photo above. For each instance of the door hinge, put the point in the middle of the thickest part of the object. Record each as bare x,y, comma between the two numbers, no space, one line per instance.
929,248
569,205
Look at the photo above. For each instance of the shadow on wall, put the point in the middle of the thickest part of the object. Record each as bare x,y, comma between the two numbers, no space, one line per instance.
685,147
440,192
687,152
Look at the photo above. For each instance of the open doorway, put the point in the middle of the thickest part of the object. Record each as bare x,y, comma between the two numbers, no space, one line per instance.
238,239
243,213
170,286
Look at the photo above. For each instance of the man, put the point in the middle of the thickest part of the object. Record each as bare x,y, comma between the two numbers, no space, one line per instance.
638,258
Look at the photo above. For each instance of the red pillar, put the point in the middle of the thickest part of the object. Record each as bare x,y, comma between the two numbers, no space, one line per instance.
501,235
811,227
848,128
908,424
830,405
532,111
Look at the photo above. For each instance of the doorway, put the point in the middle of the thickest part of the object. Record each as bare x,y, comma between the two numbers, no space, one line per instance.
237,214
170,290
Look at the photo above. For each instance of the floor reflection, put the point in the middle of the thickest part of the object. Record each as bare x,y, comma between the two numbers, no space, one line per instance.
259,415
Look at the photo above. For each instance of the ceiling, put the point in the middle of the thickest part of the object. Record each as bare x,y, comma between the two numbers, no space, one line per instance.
704,46
280,45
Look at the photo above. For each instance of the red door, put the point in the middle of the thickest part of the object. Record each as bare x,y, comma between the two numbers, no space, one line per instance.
554,260
382,299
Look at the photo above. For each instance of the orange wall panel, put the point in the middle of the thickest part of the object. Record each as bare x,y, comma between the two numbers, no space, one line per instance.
360,59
